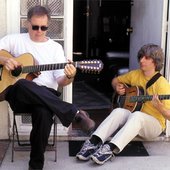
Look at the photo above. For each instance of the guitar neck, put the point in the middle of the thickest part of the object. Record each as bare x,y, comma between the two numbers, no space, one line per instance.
90,66
45,67
144,98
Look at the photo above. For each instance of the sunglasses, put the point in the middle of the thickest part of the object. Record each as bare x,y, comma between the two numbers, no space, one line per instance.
36,28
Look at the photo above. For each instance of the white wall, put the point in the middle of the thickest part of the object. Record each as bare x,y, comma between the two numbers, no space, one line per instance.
3,105
3,16
146,20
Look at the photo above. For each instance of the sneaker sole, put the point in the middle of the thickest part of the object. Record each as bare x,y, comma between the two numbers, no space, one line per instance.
82,158
100,162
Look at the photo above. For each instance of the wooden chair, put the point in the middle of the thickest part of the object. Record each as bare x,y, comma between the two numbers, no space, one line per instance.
20,145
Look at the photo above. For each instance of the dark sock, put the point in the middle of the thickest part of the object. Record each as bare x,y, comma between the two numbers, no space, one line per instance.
112,146
77,118
95,140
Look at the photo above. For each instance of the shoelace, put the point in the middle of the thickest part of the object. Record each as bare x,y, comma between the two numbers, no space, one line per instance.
103,149
86,146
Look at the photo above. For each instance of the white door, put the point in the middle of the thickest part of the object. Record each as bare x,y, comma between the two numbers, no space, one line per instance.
148,20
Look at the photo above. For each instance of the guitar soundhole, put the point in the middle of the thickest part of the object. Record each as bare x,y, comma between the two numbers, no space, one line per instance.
16,72
1,69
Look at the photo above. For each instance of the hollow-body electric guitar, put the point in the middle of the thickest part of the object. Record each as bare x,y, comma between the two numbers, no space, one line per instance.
134,98
28,67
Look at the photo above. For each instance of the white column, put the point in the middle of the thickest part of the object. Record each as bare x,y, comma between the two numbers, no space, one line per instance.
68,42
167,66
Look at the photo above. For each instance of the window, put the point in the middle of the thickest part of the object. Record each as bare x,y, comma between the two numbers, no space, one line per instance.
56,27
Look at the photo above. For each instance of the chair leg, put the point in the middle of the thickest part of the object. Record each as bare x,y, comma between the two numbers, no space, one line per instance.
15,134
13,138
55,137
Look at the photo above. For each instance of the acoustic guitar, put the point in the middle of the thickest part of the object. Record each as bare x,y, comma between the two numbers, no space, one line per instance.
28,67
133,99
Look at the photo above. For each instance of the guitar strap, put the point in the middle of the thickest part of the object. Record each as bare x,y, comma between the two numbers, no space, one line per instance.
153,79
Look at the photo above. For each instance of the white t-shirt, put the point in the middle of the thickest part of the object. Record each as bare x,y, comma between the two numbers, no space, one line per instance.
49,52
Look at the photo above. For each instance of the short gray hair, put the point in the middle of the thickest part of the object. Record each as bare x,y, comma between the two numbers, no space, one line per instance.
38,10
153,51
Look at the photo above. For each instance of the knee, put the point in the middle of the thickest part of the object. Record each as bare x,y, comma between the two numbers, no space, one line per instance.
136,116
21,81
120,111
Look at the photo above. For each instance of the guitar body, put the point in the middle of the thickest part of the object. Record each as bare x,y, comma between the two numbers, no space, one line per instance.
124,101
6,78
28,70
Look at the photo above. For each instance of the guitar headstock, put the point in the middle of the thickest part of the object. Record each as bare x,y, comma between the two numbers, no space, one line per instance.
90,66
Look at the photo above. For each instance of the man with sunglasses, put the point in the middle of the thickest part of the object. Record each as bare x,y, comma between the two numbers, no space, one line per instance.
40,96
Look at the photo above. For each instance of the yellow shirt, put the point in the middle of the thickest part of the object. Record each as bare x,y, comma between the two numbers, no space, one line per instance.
160,87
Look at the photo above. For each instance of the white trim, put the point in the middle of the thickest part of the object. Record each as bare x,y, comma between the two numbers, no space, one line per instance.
167,66
164,23
13,15
13,26
68,42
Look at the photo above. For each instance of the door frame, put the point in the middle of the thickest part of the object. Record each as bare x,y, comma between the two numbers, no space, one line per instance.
166,44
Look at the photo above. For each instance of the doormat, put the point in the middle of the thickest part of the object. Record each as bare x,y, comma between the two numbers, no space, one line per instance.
4,144
134,148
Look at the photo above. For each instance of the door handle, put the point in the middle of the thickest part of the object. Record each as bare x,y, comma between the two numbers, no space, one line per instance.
77,53
129,30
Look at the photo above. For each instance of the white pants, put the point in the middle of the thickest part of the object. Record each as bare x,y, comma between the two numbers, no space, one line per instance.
125,126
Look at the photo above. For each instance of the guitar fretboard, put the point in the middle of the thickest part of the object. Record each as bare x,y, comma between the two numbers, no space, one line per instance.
89,66
37,68
144,98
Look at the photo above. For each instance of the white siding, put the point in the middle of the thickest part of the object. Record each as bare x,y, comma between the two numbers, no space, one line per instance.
3,105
